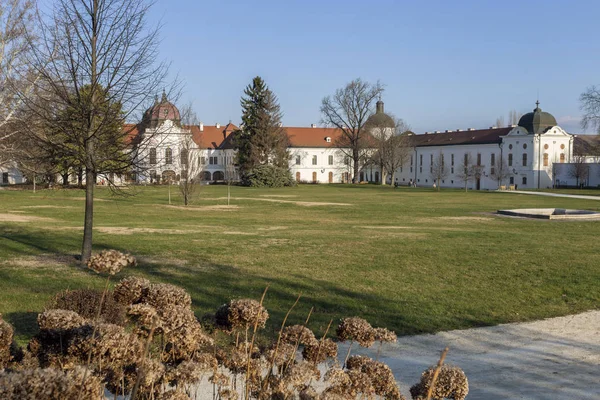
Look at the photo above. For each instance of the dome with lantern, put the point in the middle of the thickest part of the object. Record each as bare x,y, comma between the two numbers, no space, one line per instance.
160,112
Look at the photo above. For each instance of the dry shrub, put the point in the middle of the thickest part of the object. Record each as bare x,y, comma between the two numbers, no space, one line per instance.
182,333
385,335
110,262
130,290
356,329
49,384
451,383
241,314
163,296
59,320
298,334
86,302
6,339
381,376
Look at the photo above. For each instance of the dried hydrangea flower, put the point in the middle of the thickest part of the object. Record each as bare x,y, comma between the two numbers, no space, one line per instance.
337,377
206,360
153,372
300,374
183,333
49,384
110,262
188,373
60,320
356,329
451,383
320,351
381,375
295,334
308,393
6,338
173,394
285,353
385,335
130,290
145,316
165,295
241,314
219,379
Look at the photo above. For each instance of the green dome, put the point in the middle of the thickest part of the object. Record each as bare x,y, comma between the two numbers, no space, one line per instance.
538,121
380,119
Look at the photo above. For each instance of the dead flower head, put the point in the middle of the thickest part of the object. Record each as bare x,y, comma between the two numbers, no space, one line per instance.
381,376
110,262
130,290
385,335
6,338
173,394
298,334
320,351
145,316
165,295
59,320
451,383
241,314
356,329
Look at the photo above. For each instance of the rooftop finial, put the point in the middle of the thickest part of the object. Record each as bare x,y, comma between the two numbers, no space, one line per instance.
155,99
164,96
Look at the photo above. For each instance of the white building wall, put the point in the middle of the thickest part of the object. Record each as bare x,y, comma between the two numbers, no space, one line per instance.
319,164
11,175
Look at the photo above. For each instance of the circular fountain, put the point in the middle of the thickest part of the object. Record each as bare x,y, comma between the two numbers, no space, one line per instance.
552,213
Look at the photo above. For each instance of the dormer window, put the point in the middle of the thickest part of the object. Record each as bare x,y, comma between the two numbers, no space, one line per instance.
328,139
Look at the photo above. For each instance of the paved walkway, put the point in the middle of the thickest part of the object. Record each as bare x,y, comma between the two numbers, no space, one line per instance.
572,196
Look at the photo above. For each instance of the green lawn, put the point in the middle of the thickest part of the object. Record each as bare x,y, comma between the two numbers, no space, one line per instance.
413,260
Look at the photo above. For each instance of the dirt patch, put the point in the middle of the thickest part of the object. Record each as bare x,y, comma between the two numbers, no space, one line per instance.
298,203
278,195
121,230
23,218
403,235
433,220
383,227
274,242
238,233
40,261
47,206
223,207
273,228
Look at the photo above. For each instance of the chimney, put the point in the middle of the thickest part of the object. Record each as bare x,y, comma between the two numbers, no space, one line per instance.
436,132
201,127
313,125
493,127
471,129
427,133
217,125
459,130
448,130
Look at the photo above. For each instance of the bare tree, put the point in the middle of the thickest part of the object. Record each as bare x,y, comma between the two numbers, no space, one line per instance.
95,54
579,169
391,146
348,110
590,105
500,170
514,117
190,169
467,171
439,170
15,18
500,122
231,175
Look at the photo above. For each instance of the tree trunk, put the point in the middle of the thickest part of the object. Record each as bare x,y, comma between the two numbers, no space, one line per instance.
86,249
65,178
393,176
80,177
355,168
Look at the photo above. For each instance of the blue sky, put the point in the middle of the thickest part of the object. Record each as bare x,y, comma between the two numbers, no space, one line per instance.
445,64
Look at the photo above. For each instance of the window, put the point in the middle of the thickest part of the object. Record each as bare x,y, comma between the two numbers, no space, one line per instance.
168,156
524,159
411,159
524,146
512,180
153,156
546,147
431,163
420,159
524,180
314,161
466,159
510,146
206,176
452,159
347,160
330,160
545,159
451,170
510,159
184,157
420,170
493,159
298,160
562,146
213,160
562,157
5,177
478,159
203,161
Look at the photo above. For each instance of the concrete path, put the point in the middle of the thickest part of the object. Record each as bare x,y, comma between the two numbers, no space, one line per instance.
572,196
557,358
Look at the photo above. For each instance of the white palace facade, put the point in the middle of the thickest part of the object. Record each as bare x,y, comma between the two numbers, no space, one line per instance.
537,152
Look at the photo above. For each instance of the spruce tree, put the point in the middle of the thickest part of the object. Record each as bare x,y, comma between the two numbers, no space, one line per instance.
261,140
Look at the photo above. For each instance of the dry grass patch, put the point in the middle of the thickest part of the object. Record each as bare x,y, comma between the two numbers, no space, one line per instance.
216,207
278,195
298,203
384,227
238,233
23,218
47,206
40,261
273,228
121,230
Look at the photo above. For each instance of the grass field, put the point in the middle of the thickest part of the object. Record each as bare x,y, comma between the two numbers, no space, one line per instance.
409,259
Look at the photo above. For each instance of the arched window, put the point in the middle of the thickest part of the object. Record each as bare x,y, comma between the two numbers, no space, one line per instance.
524,159
153,156
218,176
562,157
168,156
545,159
183,154
206,176
510,159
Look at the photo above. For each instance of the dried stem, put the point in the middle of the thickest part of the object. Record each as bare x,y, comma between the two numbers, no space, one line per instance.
436,373
254,329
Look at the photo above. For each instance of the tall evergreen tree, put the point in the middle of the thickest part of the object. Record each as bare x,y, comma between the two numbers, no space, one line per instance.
261,140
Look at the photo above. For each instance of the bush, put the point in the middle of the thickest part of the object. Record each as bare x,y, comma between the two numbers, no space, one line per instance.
85,303
268,176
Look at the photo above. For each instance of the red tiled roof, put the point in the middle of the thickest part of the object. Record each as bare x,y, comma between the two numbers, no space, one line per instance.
312,137
211,136
478,136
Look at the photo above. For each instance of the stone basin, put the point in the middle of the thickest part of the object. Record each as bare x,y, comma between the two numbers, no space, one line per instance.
552,213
